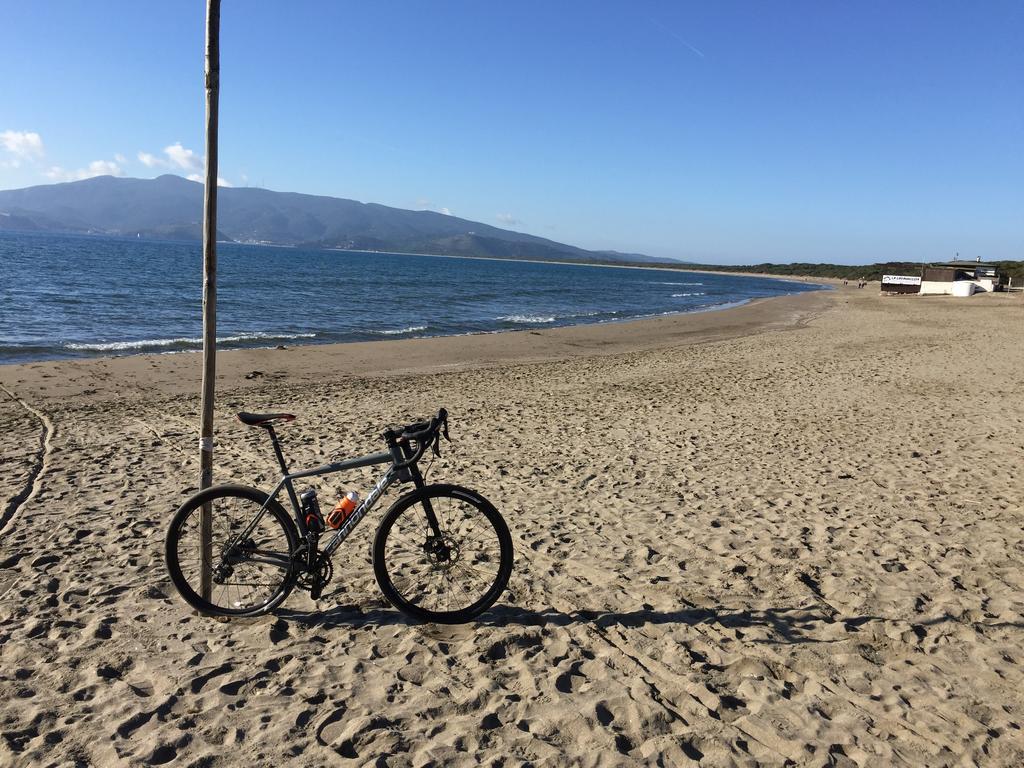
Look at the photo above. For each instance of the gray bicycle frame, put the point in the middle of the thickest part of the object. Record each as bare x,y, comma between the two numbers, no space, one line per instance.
342,533
395,456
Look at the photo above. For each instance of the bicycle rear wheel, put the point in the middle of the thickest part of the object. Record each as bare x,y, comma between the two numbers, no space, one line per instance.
250,575
448,576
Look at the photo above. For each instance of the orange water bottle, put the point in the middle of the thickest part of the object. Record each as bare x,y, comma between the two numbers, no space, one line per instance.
343,509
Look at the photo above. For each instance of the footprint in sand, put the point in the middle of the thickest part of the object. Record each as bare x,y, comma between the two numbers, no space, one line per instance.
201,680
564,682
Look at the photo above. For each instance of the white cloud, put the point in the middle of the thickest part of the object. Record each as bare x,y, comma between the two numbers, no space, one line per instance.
24,145
28,146
21,146
184,158
105,167
95,168
508,220
221,181
179,157
423,204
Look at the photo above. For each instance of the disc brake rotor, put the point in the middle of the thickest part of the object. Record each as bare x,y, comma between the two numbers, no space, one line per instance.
442,551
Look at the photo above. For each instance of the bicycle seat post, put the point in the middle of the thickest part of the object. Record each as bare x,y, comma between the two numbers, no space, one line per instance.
284,471
277,447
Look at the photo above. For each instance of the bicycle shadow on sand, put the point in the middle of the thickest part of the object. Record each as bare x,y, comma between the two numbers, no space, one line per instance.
784,625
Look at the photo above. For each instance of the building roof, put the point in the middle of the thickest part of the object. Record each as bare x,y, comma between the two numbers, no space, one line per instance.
965,265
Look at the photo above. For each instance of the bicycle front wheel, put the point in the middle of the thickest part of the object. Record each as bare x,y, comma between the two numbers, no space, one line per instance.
449,574
251,572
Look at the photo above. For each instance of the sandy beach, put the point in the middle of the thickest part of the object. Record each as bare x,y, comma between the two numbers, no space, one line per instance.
787,533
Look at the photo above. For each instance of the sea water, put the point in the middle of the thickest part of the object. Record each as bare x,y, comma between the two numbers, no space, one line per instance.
81,296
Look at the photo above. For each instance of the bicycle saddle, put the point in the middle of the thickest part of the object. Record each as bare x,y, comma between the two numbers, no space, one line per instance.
262,419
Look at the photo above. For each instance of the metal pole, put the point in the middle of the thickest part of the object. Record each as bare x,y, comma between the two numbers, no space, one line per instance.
209,290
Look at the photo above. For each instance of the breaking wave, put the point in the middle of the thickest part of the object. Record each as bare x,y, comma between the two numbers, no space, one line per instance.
527,319
400,331
180,343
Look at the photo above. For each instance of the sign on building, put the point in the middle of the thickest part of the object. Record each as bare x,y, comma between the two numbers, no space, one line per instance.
901,284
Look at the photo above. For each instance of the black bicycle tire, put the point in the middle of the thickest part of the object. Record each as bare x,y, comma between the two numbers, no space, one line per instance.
443,617
181,584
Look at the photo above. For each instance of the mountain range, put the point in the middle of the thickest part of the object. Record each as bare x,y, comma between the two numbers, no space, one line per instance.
171,208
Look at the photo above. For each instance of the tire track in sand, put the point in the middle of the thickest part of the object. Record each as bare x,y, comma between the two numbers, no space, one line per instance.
38,467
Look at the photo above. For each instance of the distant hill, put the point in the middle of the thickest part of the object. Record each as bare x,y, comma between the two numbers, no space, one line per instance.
171,208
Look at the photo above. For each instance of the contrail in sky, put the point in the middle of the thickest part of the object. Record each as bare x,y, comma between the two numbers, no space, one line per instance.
693,48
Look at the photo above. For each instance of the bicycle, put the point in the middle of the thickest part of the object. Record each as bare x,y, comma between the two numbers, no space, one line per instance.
441,552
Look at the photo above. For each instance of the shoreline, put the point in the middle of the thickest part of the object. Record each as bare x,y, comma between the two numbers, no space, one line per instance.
164,373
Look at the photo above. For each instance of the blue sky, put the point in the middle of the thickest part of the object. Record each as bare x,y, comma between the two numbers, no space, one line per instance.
721,132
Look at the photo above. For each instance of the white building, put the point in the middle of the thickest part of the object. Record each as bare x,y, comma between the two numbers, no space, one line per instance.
939,278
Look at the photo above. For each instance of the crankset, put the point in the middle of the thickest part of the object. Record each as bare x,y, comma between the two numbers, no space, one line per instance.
315,581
